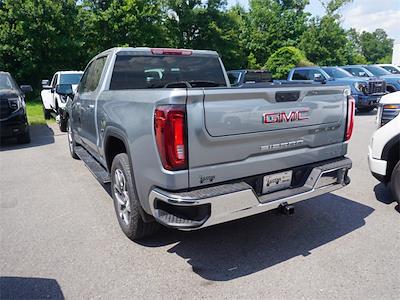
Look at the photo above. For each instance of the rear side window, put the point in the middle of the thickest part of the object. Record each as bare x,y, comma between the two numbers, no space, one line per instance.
146,72
91,77
301,75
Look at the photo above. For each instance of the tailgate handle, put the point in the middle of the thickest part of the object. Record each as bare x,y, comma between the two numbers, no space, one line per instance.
287,96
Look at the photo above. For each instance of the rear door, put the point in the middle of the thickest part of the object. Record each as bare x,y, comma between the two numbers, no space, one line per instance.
85,102
252,131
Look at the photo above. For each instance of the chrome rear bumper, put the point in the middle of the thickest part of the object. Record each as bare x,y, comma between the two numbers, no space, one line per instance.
217,204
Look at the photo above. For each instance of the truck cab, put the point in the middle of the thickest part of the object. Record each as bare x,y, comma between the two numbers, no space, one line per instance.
366,92
376,72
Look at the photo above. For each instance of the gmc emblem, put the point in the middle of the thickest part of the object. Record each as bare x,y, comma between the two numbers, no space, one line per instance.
283,117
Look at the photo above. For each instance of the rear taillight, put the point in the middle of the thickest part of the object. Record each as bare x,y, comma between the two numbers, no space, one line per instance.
170,133
351,104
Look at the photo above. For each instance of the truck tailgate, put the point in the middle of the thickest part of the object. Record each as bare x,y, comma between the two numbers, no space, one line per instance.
234,133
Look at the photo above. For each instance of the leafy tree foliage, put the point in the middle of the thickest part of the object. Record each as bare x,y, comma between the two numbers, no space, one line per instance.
326,43
284,59
38,37
115,23
376,46
272,24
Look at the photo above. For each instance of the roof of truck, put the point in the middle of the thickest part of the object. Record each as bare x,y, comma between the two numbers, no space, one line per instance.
69,72
158,51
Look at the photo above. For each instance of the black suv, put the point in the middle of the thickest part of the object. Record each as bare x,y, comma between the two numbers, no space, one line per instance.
13,120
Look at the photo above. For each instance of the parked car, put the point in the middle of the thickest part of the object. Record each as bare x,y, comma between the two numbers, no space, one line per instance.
366,92
13,120
251,77
392,81
391,68
171,159
54,102
384,148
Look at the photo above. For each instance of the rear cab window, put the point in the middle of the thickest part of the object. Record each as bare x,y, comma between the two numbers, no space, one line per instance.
159,71
301,75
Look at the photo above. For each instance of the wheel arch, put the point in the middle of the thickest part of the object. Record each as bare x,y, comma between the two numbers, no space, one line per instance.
112,134
391,153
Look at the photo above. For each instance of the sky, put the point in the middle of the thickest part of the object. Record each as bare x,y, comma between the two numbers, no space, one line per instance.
362,15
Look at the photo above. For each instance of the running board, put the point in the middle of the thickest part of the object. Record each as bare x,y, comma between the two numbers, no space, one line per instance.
98,171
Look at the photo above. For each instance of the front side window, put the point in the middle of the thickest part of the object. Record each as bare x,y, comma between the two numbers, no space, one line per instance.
158,71
54,80
91,77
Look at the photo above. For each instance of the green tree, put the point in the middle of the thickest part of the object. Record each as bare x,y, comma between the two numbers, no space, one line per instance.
272,24
115,23
376,46
37,38
285,59
207,25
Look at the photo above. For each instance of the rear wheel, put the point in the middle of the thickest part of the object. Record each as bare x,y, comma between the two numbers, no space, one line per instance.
71,141
395,182
126,204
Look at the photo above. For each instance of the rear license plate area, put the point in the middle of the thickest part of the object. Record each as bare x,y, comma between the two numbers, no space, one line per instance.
276,182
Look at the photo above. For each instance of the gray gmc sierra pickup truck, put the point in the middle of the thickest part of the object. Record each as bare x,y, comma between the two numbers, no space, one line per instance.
183,148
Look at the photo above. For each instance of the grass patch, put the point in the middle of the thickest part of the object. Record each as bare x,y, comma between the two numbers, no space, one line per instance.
34,110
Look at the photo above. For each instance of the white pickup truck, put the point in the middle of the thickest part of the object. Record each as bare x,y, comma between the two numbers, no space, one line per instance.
384,149
52,101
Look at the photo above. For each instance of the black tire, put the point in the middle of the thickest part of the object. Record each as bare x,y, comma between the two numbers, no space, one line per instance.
129,217
24,138
46,113
63,124
71,141
395,182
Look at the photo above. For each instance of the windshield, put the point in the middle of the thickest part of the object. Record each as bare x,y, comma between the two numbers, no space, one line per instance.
146,72
337,72
391,69
377,71
70,78
7,83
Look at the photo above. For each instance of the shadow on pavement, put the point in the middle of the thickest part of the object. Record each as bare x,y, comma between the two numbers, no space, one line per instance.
40,135
239,248
370,113
29,288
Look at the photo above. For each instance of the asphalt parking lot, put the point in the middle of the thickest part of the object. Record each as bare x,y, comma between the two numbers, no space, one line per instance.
60,238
